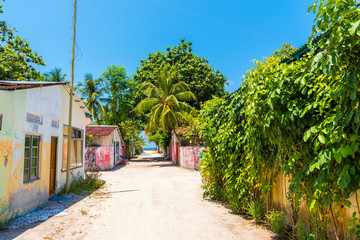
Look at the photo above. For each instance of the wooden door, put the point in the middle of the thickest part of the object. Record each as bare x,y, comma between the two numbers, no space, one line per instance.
53,154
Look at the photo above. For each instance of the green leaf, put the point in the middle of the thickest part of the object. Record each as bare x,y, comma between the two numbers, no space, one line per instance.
346,151
338,158
352,170
353,27
321,139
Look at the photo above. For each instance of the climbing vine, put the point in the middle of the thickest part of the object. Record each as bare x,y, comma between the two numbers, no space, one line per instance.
299,117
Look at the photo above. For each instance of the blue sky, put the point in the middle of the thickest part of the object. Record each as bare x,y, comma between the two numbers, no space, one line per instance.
230,33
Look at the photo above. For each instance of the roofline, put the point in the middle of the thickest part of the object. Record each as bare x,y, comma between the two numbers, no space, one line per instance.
18,85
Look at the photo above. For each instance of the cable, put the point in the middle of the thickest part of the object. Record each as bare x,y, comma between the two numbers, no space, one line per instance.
5,5
114,27
215,20
78,50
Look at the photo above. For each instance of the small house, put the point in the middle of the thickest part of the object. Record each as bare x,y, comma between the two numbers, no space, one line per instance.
105,147
33,143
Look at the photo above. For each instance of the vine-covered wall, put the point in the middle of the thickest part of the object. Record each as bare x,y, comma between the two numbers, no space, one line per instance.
299,119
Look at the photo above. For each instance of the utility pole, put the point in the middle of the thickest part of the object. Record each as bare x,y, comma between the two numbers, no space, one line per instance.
67,187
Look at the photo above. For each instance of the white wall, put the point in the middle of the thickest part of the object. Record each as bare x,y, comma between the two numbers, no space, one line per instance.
78,121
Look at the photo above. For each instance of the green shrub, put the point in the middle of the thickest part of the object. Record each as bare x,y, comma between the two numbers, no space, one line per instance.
301,231
90,183
277,222
256,210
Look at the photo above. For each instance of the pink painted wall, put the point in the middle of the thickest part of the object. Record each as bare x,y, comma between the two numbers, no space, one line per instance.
174,150
190,156
103,157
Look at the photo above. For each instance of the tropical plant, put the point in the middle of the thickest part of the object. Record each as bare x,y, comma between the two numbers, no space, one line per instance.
256,209
166,101
196,72
276,221
92,93
298,115
122,91
16,57
55,75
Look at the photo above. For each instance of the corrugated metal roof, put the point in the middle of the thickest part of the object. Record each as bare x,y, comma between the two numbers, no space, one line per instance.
101,130
17,85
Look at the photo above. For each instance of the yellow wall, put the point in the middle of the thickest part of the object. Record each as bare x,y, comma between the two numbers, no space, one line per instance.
342,214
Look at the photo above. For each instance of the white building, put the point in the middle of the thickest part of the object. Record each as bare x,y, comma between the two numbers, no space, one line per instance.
33,143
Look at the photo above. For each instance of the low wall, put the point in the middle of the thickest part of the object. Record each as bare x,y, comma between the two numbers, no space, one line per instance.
342,214
101,158
190,156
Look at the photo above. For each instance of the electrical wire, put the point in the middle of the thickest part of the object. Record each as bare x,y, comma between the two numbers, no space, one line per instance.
113,26
5,5
78,49
215,20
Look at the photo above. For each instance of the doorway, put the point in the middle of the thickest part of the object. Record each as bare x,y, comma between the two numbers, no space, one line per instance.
53,154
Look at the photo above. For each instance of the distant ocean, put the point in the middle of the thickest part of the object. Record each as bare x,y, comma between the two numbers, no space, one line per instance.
149,148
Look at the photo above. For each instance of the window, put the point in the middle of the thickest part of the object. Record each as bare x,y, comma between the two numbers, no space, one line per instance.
34,117
31,158
76,148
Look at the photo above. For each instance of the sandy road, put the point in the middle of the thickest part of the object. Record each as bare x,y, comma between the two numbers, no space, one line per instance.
147,199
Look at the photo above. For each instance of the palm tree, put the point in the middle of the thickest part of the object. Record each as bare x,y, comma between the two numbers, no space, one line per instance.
165,102
92,94
55,75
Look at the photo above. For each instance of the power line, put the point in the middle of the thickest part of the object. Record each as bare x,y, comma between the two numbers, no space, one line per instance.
77,52
111,23
5,5
215,20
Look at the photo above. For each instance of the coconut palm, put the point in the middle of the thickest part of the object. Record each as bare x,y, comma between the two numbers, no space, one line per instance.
92,93
165,102
55,75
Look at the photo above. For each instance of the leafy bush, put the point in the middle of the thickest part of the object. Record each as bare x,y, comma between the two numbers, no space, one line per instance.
301,117
91,183
256,210
277,222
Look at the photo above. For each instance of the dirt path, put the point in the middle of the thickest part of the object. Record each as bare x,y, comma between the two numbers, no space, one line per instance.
147,199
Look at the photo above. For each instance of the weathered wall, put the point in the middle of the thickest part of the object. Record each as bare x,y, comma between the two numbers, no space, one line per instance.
11,149
103,157
174,150
78,121
98,141
342,214
17,197
190,156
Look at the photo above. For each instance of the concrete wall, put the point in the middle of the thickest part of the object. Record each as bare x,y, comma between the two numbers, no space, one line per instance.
17,197
342,214
189,156
11,150
101,157
78,121
102,140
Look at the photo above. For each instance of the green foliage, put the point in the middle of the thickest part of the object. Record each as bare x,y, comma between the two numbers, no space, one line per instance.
195,71
302,232
354,227
277,222
91,183
160,138
256,210
166,101
16,56
92,93
302,118
122,89
54,75
131,129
